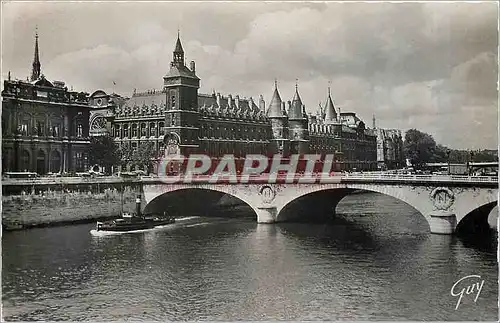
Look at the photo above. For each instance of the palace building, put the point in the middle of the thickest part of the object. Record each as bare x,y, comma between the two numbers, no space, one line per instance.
44,125
46,128
179,120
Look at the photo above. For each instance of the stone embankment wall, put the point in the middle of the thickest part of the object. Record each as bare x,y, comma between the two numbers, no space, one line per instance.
55,204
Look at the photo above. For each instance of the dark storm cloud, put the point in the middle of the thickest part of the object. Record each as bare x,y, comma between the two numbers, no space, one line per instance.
411,64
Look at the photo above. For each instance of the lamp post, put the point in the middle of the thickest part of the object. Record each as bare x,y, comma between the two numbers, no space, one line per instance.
470,164
448,152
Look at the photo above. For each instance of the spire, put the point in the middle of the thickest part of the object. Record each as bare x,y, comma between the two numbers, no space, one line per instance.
373,119
275,105
178,51
296,107
330,113
35,72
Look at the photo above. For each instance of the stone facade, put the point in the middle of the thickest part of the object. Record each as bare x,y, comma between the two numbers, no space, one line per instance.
390,153
44,125
46,128
178,119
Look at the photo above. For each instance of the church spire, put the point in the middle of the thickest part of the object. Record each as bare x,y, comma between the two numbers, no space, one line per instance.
35,72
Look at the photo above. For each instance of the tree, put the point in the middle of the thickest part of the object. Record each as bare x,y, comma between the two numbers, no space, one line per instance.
419,147
440,154
125,154
144,155
103,151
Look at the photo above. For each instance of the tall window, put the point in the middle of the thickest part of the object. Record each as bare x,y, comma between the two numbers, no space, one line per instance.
23,128
55,132
79,130
143,129
152,129
173,120
173,101
40,128
117,130
134,130
79,161
161,125
125,131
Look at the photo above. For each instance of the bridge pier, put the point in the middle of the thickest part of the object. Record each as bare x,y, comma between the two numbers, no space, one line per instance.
442,222
266,214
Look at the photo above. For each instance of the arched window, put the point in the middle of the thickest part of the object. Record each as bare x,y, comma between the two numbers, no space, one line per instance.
134,130
126,132
25,161
152,129
117,131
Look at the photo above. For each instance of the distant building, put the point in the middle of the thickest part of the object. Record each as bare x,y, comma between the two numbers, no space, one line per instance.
47,128
390,153
44,125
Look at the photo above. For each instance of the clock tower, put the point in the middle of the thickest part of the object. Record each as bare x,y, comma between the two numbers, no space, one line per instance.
181,117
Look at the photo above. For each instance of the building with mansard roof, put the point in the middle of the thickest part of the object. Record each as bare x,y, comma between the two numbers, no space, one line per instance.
45,126
179,119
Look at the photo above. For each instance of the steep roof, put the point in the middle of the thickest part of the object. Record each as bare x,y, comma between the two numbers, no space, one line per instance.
330,113
274,109
295,111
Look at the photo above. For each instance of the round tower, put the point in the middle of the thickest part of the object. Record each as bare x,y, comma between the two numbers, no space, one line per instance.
298,125
280,144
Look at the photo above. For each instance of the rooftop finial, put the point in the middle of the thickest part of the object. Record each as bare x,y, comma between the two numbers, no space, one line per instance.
275,83
329,84
296,85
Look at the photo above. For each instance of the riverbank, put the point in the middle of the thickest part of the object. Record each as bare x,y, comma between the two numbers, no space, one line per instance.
52,208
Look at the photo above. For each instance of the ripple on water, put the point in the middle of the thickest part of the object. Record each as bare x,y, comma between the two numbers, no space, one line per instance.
373,263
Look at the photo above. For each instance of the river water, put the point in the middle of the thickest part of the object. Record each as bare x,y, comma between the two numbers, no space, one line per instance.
377,261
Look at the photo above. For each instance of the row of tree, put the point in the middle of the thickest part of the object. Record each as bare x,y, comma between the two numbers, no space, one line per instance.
104,151
421,148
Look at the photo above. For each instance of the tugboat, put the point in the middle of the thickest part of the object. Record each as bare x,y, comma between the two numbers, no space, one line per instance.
132,222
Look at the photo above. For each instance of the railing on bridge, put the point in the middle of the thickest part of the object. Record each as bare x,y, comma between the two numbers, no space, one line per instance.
262,178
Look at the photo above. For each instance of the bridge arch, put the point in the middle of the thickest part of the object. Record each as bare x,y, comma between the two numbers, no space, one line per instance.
203,194
476,219
413,199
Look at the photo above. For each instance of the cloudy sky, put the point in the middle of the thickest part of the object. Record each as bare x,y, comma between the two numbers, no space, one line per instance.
429,66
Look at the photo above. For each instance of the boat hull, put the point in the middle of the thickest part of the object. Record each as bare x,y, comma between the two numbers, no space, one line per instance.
133,224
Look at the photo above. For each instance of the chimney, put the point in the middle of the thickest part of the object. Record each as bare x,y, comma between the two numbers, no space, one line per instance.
289,104
218,99
230,101
262,104
192,66
237,101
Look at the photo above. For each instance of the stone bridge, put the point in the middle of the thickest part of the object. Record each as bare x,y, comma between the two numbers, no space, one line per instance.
445,201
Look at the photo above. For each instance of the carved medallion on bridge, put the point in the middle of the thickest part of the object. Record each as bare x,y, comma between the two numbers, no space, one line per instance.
443,198
267,193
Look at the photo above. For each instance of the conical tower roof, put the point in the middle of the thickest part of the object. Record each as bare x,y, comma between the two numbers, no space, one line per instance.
274,109
330,113
296,106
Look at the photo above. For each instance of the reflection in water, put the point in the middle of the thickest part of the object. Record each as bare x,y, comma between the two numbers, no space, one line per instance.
370,263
